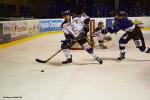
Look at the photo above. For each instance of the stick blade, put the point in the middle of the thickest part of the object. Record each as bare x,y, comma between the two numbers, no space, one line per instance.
40,61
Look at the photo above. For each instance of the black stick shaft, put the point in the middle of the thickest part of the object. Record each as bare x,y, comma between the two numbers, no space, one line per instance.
45,61
54,55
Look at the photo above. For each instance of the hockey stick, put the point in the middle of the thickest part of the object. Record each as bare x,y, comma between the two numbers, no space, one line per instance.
45,61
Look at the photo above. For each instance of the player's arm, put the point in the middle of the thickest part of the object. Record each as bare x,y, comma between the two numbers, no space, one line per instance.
86,25
113,29
67,32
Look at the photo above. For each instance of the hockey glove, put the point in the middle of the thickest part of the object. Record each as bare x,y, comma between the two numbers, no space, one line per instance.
104,31
86,28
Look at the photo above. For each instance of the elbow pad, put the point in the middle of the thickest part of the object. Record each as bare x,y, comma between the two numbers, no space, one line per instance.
86,28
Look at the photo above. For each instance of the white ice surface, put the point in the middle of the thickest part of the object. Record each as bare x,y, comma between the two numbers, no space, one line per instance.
85,79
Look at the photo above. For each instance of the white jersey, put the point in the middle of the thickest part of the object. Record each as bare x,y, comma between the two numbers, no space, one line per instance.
83,18
67,28
75,27
98,33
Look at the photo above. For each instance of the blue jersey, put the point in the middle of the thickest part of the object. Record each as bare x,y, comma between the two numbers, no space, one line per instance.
122,24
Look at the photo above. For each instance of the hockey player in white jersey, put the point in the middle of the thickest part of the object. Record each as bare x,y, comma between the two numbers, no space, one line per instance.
100,36
75,32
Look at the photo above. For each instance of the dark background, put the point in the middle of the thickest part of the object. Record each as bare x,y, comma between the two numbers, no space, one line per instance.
55,8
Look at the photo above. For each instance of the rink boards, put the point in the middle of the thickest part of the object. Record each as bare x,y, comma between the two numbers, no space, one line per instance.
16,30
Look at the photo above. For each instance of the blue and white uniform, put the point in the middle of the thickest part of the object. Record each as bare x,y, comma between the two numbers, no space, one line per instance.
122,24
132,31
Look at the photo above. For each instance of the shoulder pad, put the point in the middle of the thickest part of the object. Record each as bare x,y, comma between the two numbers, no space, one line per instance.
64,22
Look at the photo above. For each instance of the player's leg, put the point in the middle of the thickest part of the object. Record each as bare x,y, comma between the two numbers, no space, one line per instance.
67,53
86,46
140,43
122,43
139,40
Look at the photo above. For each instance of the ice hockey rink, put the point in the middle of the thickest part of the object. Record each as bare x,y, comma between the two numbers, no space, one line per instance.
85,79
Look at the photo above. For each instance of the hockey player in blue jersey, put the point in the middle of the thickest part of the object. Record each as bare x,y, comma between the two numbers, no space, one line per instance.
132,31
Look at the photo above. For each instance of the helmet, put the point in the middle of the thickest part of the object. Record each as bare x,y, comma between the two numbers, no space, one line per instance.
67,12
122,13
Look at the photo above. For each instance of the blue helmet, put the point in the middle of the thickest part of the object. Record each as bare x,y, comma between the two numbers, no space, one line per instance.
122,13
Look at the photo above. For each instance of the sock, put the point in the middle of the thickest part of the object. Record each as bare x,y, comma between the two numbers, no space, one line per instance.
147,50
67,53
122,48
93,54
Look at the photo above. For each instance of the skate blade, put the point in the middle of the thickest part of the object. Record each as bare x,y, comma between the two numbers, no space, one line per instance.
120,60
67,64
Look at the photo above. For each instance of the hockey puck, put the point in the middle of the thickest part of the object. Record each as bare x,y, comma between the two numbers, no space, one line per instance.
42,70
